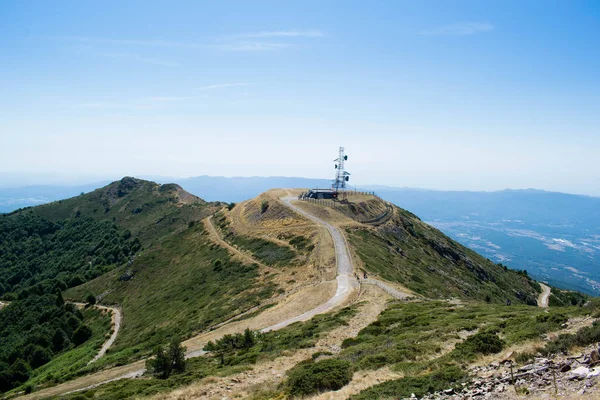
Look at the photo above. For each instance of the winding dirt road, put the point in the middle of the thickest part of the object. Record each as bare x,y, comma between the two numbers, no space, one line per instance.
544,296
346,284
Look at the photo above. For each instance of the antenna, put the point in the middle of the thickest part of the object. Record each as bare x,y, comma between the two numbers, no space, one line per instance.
341,175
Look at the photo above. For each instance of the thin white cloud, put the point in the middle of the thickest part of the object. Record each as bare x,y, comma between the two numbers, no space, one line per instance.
282,34
234,43
135,42
250,46
462,29
224,85
140,58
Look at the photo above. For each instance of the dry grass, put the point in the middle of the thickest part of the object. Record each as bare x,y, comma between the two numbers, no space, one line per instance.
360,381
271,373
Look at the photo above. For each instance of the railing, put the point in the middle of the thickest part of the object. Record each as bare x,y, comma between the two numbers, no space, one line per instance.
340,205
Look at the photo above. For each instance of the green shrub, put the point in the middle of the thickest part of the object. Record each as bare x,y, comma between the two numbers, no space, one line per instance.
585,336
90,299
447,377
264,206
314,377
81,334
480,343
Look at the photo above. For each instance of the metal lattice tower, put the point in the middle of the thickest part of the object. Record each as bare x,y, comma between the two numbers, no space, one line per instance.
341,175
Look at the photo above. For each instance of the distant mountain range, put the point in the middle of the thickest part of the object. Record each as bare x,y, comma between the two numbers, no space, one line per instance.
555,236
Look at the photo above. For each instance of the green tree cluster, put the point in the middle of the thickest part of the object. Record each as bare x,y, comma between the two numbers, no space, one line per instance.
35,251
231,343
169,361
32,331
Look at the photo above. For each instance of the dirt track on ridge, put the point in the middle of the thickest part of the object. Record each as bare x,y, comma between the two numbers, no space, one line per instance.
544,296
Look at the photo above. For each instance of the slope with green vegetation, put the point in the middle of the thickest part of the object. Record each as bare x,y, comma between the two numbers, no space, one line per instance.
180,287
408,251
133,243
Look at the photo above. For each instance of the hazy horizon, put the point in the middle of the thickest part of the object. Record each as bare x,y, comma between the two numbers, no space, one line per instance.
481,96
100,181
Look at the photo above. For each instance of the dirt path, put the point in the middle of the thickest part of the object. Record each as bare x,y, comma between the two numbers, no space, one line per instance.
395,293
212,230
346,283
116,318
544,296
269,373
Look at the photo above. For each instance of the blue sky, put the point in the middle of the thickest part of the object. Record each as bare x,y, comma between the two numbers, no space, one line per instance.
477,95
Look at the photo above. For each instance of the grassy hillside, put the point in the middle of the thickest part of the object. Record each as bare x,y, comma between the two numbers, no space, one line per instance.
180,287
406,250
136,244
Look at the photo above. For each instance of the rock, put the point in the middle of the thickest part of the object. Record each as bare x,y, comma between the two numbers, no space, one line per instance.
594,372
564,366
525,368
508,358
594,357
449,391
578,373
495,365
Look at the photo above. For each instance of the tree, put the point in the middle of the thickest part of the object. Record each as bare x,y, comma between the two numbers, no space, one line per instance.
19,371
90,299
60,340
248,338
39,357
159,365
81,334
176,355
60,302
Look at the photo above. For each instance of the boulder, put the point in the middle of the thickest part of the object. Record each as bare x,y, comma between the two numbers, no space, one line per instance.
578,373
594,372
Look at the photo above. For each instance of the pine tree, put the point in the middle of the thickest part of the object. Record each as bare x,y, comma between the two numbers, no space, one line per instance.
248,338
159,365
177,355
60,302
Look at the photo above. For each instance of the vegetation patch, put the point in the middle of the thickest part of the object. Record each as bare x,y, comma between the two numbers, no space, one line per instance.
422,258
181,287
445,378
584,337
51,344
432,342
321,376
229,355
264,250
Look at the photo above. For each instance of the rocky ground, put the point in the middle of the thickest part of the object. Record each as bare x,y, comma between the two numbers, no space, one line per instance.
575,376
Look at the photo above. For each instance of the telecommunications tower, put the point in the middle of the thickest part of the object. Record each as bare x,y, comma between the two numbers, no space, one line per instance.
341,175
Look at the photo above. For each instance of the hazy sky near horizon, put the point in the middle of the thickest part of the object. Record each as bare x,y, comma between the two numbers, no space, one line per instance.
463,95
